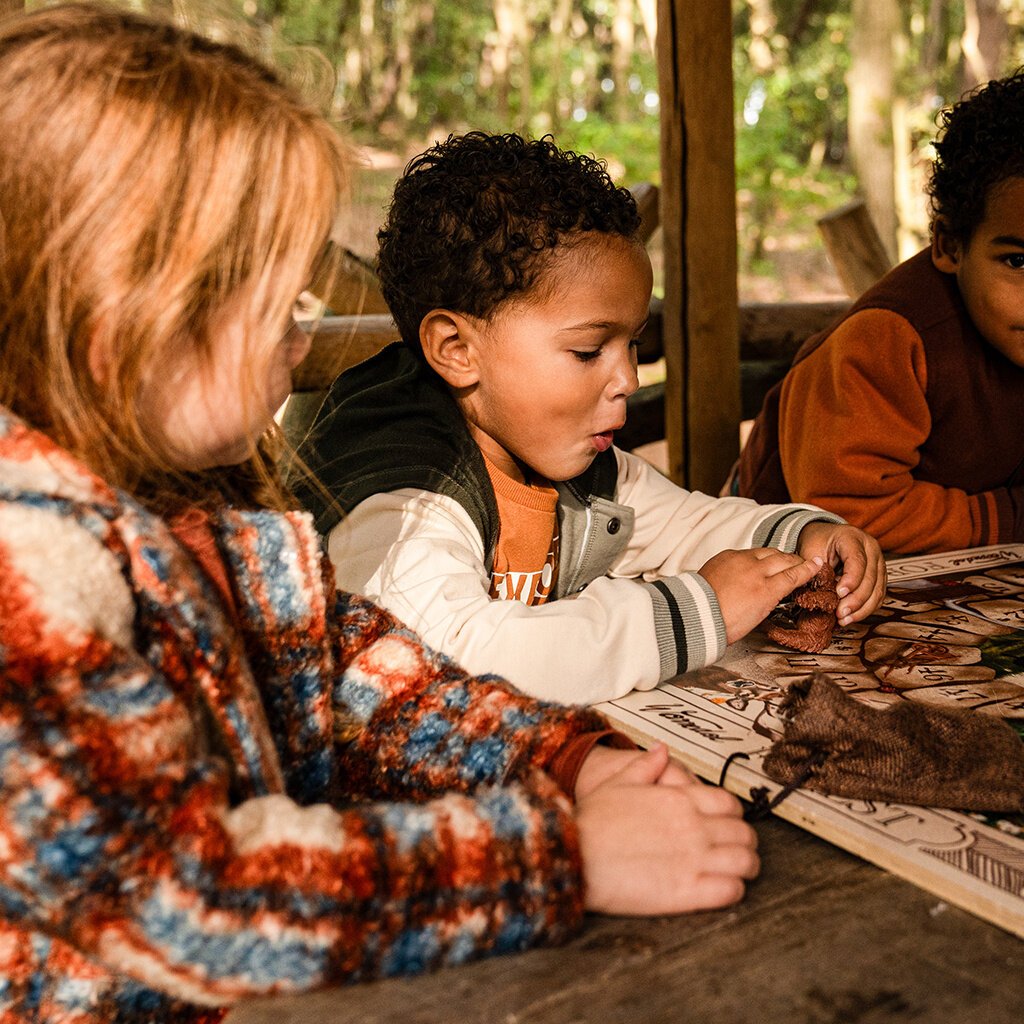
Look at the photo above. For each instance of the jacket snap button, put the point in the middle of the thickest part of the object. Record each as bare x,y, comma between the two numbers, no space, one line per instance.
613,525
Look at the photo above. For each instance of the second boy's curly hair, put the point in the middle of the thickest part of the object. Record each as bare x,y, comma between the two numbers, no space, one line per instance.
475,219
982,144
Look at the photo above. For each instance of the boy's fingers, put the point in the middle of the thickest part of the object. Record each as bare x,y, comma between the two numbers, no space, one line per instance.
866,595
788,579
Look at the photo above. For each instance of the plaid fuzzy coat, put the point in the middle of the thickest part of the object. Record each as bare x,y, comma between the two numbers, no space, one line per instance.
194,813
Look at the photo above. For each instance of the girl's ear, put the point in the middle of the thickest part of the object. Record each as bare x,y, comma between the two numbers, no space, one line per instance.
946,248
448,341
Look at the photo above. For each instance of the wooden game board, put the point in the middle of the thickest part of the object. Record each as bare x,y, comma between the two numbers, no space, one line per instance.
950,632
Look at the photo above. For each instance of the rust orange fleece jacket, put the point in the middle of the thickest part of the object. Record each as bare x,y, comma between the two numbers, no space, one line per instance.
902,419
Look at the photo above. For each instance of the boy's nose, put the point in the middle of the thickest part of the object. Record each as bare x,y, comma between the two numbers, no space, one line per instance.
626,380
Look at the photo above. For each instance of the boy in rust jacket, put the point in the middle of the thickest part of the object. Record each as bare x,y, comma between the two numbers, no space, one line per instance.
905,417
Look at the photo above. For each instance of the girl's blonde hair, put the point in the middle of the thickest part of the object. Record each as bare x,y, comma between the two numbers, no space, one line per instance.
149,177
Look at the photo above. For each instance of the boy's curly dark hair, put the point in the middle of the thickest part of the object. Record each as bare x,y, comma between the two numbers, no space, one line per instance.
981,145
475,219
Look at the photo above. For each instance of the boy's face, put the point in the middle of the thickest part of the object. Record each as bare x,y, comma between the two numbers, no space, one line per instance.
990,269
556,365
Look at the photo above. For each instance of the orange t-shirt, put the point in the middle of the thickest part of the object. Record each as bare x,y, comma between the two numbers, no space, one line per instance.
526,559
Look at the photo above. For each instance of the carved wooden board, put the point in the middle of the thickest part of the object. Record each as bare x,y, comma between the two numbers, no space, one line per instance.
951,631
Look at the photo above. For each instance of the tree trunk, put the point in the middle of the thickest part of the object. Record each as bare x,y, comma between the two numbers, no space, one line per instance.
871,88
501,54
406,24
649,17
558,105
623,43
984,41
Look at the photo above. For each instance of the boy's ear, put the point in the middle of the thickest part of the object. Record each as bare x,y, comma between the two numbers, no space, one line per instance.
946,248
448,343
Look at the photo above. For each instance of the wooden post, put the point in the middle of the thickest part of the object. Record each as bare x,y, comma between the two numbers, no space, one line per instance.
698,218
854,247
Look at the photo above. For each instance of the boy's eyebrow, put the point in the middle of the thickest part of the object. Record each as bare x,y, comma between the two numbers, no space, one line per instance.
601,325
1008,240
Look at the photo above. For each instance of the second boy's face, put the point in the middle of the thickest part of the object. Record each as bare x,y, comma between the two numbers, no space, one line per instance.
990,271
556,367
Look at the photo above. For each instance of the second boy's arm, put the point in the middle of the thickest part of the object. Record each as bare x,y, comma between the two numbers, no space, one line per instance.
852,420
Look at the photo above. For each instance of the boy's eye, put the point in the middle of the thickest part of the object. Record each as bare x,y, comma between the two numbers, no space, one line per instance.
1014,260
587,355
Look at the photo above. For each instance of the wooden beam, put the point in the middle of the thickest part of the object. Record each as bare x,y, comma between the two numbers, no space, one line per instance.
854,246
338,343
348,284
698,219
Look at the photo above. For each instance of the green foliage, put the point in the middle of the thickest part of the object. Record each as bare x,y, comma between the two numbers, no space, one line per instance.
411,71
631,149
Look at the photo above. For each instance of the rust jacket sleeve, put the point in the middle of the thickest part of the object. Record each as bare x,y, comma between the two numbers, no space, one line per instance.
852,418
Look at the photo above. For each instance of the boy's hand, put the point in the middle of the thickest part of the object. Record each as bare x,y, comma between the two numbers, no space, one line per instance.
662,849
862,585
749,584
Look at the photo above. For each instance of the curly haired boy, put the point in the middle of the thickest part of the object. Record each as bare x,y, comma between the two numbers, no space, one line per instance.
904,417
476,459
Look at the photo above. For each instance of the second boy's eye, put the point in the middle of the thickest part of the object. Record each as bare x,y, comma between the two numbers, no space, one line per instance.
1014,260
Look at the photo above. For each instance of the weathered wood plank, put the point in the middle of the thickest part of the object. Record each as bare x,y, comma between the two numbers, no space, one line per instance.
821,938
854,246
338,343
775,330
348,284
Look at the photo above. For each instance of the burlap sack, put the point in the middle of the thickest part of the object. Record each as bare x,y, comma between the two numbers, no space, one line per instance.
905,753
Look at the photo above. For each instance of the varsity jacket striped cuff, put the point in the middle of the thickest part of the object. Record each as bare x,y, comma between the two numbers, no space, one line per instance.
688,623
782,529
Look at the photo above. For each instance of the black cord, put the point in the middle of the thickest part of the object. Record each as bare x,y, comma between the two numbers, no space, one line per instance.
761,806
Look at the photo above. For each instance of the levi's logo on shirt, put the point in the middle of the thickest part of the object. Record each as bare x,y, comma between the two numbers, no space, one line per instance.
526,559
530,587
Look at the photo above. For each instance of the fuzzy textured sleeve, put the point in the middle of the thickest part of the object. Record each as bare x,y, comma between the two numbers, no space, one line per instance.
852,417
426,725
142,877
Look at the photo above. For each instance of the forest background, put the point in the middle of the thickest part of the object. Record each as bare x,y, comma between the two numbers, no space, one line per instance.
833,98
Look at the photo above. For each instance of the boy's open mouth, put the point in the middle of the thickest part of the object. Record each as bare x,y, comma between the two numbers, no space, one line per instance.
603,441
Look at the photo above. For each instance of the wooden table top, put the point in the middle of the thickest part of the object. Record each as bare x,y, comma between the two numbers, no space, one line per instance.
821,938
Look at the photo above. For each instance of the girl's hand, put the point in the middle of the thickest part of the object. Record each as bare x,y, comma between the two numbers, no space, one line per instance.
749,584
862,585
603,762
662,849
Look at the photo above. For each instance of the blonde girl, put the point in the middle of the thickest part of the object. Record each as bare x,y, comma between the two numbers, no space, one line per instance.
219,779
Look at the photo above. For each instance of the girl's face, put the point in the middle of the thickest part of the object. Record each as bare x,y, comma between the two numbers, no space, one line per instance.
211,412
